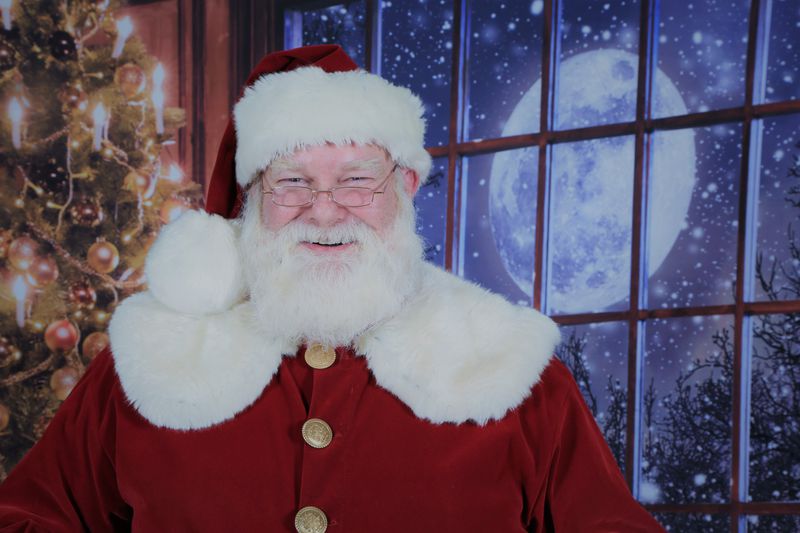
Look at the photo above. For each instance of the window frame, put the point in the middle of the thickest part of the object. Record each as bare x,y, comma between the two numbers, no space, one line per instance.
251,19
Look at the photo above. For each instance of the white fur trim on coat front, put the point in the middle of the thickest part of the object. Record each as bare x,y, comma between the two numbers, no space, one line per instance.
459,352
185,371
456,352
308,107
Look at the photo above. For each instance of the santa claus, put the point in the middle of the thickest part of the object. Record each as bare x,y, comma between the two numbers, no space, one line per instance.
296,365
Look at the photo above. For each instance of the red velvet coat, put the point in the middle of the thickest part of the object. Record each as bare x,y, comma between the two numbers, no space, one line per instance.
452,417
103,467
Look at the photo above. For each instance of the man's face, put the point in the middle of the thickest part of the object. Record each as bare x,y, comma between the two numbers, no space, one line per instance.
324,167
305,291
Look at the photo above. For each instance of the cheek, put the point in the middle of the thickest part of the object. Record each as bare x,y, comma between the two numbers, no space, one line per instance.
381,219
274,219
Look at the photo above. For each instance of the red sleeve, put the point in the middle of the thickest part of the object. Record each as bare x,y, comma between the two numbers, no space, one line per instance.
67,482
585,490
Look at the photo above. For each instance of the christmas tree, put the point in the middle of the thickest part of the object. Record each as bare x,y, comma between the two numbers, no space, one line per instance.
84,188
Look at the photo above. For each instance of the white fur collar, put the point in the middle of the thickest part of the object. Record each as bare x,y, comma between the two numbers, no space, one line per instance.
455,353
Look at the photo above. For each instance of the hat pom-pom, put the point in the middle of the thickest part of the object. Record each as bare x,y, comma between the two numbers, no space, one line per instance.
194,266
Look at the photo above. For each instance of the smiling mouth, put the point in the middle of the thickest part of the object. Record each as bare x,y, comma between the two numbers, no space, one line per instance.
328,245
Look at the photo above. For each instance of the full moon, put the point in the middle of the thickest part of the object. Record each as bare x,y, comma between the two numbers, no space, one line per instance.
591,185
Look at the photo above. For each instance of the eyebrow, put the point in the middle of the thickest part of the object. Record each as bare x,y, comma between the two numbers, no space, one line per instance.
371,165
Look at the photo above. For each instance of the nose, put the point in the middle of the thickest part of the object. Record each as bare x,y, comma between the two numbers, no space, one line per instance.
324,212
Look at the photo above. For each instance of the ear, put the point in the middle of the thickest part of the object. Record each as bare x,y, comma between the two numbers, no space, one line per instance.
411,181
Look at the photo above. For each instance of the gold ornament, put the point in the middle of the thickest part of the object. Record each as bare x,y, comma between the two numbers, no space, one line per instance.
42,272
5,241
138,183
9,354
61,335
74,97
94,344
131,80
103,257
63,380
172,208
22,252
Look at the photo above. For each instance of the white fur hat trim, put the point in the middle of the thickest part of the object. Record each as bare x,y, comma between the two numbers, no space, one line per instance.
284,111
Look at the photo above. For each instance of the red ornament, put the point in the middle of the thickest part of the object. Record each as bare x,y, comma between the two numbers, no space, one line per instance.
42,272
103,257
87,213
61,335
63,380
82,295
22,252
94,344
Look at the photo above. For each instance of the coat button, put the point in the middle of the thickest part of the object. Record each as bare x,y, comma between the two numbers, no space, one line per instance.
317,433
310,519
320,356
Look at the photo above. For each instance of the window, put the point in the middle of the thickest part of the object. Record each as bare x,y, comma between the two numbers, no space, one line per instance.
633,169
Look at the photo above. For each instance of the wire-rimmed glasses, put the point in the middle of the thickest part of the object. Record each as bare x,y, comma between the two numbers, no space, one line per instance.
346,196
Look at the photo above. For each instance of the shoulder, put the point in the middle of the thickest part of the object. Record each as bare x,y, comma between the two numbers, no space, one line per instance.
458,352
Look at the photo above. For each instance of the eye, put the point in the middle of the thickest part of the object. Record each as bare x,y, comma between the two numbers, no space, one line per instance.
358,180
291,181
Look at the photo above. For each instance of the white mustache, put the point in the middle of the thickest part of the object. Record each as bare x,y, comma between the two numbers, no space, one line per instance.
350,232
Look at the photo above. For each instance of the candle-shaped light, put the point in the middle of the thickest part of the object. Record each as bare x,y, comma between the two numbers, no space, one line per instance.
158,96
5,5
175,174
99,117
124,30
20,291
15,114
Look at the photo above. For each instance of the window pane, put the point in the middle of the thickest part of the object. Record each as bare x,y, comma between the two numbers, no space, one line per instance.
692,228
775,408
686,410
772,523
778,234
589,242
498,219
505,49
598,65
431,204
342,24
702,47
783,61
597,356
417,43
684,522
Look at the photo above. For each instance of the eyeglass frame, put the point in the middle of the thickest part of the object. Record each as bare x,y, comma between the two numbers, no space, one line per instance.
330,192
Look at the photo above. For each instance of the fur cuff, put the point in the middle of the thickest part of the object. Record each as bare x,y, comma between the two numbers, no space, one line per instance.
196,239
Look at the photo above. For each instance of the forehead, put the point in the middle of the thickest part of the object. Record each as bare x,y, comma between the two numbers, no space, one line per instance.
332,158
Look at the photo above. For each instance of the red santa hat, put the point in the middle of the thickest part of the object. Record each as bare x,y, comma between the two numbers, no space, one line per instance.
302,97
312,96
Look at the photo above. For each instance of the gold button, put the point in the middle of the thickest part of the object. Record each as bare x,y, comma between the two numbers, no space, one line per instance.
310,520
317,433
320,356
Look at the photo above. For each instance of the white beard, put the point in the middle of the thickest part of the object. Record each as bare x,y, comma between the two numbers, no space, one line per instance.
303,297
